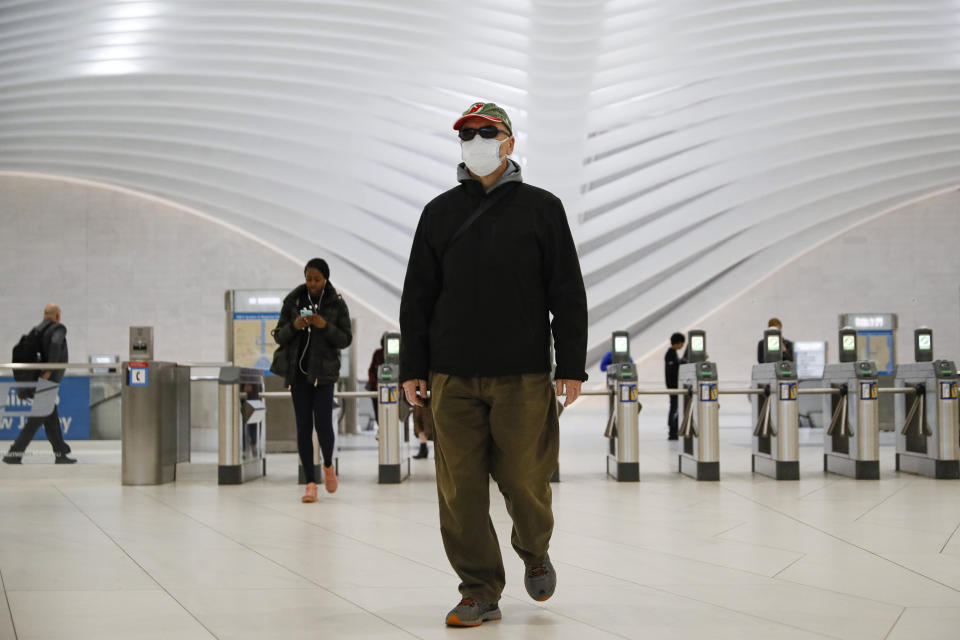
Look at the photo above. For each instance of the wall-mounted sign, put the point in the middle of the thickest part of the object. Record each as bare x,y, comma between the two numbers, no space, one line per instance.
869,321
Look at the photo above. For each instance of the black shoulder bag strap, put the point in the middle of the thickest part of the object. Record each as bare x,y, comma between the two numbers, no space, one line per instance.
484,206
41,342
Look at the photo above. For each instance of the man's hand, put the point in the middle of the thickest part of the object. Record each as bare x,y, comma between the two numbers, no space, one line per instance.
317,320
410,388
572,390
300,323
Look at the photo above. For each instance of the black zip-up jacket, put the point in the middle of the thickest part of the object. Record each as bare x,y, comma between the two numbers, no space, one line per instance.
322,361
481,307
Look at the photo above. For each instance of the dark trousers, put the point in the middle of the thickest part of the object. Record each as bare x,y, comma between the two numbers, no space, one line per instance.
672,416
313,408
51,426
505,427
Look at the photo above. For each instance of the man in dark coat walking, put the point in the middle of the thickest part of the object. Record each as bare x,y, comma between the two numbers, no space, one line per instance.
492,259
53,348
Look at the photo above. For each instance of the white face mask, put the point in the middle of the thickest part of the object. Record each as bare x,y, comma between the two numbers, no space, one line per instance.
481,155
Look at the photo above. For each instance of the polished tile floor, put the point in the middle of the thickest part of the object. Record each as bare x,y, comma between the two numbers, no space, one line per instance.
748,557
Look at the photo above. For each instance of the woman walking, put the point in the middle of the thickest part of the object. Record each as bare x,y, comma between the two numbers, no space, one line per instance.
314,326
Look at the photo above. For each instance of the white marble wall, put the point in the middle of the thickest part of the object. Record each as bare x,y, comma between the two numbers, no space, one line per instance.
113,259
906,262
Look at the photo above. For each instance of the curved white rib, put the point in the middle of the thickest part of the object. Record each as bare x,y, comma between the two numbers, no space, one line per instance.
686,138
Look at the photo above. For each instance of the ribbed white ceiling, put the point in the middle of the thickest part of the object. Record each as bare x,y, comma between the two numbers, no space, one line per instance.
693,142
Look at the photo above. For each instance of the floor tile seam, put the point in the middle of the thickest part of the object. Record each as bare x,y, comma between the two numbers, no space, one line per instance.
364,510
802,556
147,573
285,568
559,614
347,537
6,598
639,519
716,535
665,590
895,623
726,531
856,546
846,594
675,555
945,544
331,590
882,502
827,483
86,589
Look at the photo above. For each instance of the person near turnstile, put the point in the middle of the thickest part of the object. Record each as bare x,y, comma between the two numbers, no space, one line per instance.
491,259
786,345
53,348
314,326
375,361
671,372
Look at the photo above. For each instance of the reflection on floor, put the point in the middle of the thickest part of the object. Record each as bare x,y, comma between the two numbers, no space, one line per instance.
748,557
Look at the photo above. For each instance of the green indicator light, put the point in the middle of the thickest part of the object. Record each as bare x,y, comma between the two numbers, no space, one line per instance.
386,376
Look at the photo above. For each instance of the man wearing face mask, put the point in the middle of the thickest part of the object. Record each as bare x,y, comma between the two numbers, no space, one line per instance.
492,260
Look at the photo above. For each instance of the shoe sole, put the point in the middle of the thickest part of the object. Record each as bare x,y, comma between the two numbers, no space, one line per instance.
454,621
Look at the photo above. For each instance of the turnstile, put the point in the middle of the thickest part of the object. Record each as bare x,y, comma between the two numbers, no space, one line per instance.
394,453
699,430
851,444
776,416
928,441
155,417
242,428
623,461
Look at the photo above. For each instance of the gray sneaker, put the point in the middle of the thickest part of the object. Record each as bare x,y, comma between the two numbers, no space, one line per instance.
470,613
540,581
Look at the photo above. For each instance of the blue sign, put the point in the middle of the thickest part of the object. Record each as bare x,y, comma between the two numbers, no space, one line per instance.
139,376
74,407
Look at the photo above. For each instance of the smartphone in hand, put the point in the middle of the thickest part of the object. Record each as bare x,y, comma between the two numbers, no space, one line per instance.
306,312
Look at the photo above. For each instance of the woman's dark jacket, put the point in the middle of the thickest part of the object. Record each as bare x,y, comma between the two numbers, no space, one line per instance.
322,361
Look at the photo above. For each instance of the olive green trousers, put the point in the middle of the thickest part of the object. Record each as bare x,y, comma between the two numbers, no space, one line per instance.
505,427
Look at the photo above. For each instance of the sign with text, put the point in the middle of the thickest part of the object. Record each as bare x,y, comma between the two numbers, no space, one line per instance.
73,406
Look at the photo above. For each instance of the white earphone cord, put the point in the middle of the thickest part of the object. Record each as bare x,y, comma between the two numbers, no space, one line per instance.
306,347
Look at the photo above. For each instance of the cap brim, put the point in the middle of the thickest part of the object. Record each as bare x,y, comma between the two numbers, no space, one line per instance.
459,123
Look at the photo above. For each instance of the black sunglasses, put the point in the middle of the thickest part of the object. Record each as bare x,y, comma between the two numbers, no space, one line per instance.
486,132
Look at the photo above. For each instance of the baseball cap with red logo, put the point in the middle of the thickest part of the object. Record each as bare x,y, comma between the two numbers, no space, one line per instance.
487,110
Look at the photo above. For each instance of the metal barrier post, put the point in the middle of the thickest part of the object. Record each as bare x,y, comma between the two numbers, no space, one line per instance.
928,443
624,465
851,444
700,430
242,426
149,416
394,456
776,416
